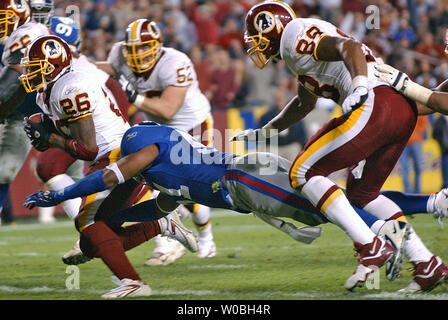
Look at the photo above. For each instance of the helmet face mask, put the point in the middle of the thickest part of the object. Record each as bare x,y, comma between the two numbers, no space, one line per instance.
256,52
45,61
142,46
13,13
42,11
141,57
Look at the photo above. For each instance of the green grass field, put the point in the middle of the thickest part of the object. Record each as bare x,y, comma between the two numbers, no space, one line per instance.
254,262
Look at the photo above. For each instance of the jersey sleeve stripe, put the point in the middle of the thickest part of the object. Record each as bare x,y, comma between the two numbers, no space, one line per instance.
88,114
317,45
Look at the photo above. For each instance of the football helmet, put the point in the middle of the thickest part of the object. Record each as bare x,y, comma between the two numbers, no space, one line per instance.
42,11
264,27
142,46
13,13
45,60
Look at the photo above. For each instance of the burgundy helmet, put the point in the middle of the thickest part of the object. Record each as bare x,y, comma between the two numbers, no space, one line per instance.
264,27
142,46
45,60
13,13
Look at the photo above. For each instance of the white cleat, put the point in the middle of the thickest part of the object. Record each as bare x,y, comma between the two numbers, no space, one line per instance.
166,255
207,249
128,288
395,233
173,228
75,256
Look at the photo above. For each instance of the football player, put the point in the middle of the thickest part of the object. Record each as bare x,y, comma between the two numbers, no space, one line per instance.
17,29
162,82
89,126
56,168
369,137
186,171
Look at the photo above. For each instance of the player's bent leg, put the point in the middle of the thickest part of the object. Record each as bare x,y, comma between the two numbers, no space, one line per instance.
201,219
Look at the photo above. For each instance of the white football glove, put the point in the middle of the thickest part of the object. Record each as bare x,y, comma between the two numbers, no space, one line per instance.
400,81
355,100
397,79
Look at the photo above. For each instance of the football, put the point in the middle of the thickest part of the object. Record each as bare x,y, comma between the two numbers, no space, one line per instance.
45,120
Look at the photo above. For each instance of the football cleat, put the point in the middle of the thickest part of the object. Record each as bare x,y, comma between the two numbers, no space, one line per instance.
207,249
128,288
166,254
427,276
372,256
172,227
75,256
395,233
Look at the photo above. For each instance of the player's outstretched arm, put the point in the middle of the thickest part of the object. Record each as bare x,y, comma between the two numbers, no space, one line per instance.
351,53
117,173
400,81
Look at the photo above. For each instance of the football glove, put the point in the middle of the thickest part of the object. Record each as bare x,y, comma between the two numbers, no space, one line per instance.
355,100
255,134
397,79
38,132
128,88
42,199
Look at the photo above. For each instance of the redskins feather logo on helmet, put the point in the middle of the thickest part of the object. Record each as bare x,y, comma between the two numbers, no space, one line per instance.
142,47
45,60
13,13
264,27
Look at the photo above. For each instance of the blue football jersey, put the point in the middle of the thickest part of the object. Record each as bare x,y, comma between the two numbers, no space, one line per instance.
185,169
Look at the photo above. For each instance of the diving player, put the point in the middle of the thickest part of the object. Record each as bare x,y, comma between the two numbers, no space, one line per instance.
185,171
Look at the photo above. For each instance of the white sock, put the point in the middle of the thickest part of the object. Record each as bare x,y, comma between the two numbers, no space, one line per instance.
201,219
338,209
414,248
376,226
71,207
382,207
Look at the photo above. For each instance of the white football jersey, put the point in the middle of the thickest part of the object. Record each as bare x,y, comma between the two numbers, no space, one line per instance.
76,95
20,38
82,64
173,68
328,79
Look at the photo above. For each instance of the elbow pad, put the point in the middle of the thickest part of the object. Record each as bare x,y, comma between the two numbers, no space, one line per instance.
79,151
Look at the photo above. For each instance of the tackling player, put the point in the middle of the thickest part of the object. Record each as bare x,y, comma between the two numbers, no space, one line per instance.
162,83
90,127
369,137
186,171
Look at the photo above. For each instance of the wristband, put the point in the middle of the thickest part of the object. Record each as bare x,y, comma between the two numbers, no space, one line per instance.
416,92
139,101
114,167
360,81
